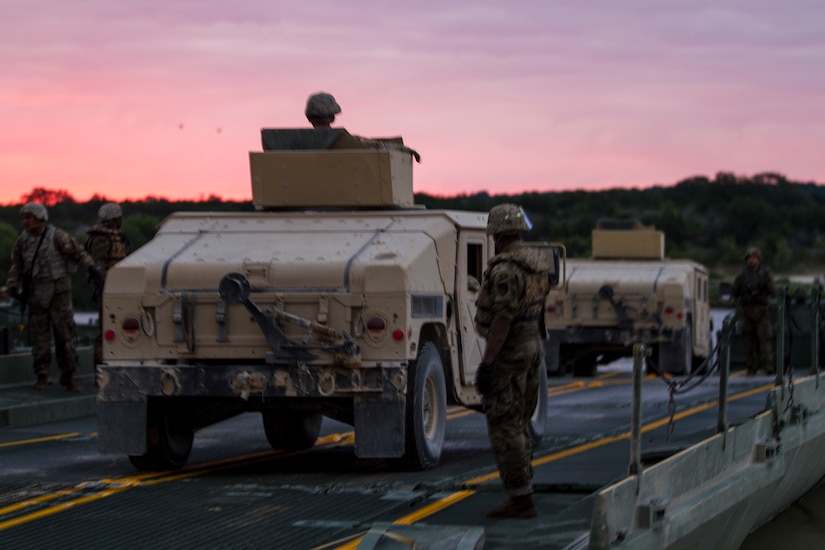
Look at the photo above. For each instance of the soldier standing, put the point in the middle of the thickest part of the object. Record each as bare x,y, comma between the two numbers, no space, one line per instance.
753,288
509,311
41,262
107,245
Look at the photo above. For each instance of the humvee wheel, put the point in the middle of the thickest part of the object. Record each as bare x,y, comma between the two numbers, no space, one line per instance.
168,445
426,416
677,358
538,422
585,368
292,430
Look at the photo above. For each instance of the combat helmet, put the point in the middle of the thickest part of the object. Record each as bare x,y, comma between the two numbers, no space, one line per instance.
753,251
322,104
109,211
35,209
507,218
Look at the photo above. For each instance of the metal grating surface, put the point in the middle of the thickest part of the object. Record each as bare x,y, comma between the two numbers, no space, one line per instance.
198,514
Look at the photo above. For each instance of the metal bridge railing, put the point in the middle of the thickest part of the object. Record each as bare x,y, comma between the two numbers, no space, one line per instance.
719,360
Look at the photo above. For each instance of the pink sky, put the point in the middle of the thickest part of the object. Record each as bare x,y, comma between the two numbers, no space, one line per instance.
165,98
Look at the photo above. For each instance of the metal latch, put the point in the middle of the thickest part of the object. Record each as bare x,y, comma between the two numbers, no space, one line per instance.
178,320
651,515
323,310
220,319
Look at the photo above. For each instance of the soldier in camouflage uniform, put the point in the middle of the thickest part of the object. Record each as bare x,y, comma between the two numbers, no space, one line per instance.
107,245
510,308
41,262
753,288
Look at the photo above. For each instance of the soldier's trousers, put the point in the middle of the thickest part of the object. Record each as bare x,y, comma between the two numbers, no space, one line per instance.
508,410
757,336
57,318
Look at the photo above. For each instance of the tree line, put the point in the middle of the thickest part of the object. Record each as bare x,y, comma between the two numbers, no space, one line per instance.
709,220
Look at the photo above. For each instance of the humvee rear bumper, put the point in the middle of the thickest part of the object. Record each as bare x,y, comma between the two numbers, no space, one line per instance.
566,345
206,394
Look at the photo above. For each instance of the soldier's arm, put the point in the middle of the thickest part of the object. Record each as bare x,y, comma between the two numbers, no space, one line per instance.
736,290
499,329
71,249
13,276
507,287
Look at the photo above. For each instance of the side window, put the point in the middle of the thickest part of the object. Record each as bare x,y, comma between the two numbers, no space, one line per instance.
475,261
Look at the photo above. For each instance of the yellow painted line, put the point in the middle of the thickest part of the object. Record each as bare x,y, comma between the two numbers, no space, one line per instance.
434,507
40,439
584,385
60,508
465,412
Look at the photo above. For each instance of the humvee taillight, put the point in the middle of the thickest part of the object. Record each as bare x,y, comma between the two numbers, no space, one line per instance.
669,311
130,325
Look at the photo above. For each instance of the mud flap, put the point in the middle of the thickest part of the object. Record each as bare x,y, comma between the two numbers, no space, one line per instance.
121,427
379,427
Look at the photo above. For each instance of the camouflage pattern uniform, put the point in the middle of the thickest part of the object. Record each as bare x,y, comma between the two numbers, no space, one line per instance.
515,286
107,245
49,294
754,289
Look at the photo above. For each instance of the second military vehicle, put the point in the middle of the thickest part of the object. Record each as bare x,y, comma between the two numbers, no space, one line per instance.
628,292
339,297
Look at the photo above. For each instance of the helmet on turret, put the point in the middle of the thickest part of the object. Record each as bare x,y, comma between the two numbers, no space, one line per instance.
322,107
753,251
507,218
109,211
35,209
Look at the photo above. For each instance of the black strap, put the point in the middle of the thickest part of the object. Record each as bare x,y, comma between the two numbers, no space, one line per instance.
37,250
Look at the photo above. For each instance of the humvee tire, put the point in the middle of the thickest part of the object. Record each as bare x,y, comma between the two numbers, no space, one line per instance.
538,422
676,357
168,444
291,430
426,416
585,367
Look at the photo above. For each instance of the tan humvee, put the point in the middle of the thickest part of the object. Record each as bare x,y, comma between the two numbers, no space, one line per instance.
338,298
627,293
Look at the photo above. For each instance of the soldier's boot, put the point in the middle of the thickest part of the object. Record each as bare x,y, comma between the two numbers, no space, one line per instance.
516,507
67,379
42,382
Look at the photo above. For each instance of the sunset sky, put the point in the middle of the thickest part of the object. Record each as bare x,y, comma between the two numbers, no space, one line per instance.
165,98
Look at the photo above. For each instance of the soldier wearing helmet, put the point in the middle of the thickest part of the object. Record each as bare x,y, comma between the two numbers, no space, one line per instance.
753,289
42,260
108,245
321,110
510,309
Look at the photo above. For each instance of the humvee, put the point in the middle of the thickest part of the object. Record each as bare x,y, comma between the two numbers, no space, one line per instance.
628,292
338,297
